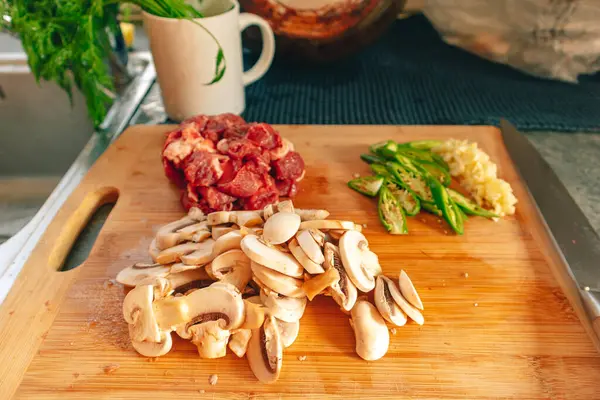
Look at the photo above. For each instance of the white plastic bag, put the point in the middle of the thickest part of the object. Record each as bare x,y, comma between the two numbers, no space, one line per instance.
549,38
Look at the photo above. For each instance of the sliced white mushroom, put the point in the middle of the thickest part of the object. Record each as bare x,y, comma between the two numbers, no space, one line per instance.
254,313
353,247
176,253
154,349
167,236
385,303
238,343
229,241
232,267
136,273
408,290
181,267
309,265
270,257
318,283
268,211
285,206
139,314
410,310
318,236
310,246
281,227
336,234
203,253
288,309
278,282
323,224
246,218
210,339
343,292
219,217
153,250
265,352
371,333
178,283
288,331
219,230
311,215
196,232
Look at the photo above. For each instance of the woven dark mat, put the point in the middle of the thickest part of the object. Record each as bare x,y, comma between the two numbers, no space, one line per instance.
410,76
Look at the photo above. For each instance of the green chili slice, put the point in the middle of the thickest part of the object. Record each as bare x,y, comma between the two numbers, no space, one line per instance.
367,185
469,206
391,213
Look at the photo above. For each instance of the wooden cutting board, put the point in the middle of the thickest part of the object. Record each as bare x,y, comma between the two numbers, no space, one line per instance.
511,329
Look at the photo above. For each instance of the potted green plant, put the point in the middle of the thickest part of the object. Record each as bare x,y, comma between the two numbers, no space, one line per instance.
69,41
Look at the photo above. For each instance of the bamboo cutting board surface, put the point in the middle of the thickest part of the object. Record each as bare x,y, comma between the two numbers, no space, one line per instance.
511,329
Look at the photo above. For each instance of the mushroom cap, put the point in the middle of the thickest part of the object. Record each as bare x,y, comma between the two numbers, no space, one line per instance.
262,254
281,227
288,331
134,274
229,241
309,265
278,282
352,246
385,303
343,292
310,246
371,333
153,349
288,309
265,352
139,314
232,266
409,291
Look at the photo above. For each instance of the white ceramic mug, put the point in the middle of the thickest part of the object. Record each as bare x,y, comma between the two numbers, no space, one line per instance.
185,54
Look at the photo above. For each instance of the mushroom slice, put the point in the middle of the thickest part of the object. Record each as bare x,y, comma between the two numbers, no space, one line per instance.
219,217
353,246
210,339
312,215
153,250
202,254
265,352
181,267
268,211
136,273
343,292
153,349
371,333
246,218
318,236
285,206
232,267
327,224
139,314
175,254
196,232
200,236
220,230
229,241
288,309
254,313
196,214
310,246
278,282
281,227
336,234
167,235
408,290
385,303
410,310
317,284
309,265
238,343
288,331
270,257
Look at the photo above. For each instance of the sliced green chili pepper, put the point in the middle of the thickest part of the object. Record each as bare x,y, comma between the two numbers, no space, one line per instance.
450,210
408,163
437,172
368,185
388,151
374,148
410,180
379,169
431,207
372,159
391,213
406,197
424,155
422,144
461,213
469,206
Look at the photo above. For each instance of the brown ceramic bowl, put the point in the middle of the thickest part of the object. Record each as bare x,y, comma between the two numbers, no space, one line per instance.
323,30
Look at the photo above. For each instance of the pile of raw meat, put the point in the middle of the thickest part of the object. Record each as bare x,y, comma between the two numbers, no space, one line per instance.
223,163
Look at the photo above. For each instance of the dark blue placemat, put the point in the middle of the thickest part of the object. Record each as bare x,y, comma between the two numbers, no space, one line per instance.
410,76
